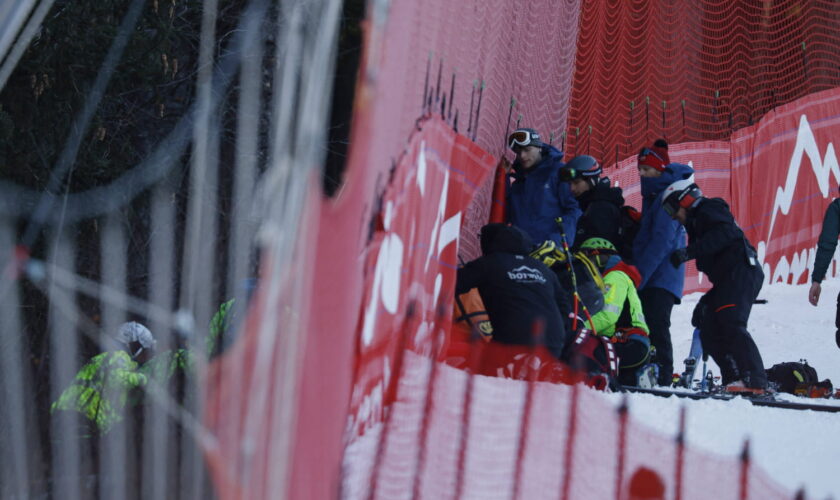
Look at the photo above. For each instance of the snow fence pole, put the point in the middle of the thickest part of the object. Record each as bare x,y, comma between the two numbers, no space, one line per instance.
476,353
390,397
622,446
568,459
423,436
678,468
744,486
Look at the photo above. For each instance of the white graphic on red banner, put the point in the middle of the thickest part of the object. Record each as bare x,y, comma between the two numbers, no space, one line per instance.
806,145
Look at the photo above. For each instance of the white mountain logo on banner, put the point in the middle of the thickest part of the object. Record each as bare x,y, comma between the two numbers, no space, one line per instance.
796,265
806,144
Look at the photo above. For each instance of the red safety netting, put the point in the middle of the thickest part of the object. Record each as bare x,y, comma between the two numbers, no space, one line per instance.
777,176
379,258
454,435
448,433
484,66
693,71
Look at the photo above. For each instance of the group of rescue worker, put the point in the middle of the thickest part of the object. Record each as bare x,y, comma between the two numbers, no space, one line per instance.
576,272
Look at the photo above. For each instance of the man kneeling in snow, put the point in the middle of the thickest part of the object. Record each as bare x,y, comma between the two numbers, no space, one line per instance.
523,297
621,320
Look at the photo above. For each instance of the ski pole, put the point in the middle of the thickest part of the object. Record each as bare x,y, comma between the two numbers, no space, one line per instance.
578,300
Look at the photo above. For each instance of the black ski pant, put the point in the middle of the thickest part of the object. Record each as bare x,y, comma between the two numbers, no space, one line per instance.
837,322
657,304
723,315
632,355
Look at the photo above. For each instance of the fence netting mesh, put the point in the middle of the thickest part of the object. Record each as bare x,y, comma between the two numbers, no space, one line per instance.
693,71
298,333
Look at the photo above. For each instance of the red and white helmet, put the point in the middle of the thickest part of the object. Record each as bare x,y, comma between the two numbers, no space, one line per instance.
682,193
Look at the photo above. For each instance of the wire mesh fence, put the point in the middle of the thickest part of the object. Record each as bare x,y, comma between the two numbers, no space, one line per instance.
146,183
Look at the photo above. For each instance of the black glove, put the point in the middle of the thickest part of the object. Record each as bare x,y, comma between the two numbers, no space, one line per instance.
679,256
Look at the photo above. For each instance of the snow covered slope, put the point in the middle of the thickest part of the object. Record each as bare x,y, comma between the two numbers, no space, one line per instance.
795,447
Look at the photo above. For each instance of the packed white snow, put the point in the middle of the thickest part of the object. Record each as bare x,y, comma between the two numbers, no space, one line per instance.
797,448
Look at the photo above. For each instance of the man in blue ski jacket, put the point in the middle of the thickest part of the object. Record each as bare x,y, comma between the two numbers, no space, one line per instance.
658,237
537,196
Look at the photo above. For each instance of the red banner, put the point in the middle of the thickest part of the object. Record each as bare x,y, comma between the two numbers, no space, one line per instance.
411,261
784,173
777,176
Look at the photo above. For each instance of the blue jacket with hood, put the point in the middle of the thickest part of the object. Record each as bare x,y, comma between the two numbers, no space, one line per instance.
537,197
659,234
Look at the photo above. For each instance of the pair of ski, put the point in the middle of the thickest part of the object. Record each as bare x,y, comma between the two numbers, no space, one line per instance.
762,400
704,388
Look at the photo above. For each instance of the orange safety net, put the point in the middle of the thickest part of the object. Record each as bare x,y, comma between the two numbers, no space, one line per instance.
693,71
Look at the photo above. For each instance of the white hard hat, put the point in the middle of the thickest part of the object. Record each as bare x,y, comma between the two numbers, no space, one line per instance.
136,332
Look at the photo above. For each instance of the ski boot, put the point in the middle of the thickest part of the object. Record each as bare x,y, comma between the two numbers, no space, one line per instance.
740,389
687,377
647,376
707,384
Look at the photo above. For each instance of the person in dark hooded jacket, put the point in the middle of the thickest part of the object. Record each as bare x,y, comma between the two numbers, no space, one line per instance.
724,254
537,197
659,235
518,290
601,203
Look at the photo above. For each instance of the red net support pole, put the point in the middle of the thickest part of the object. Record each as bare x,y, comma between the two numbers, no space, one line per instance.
622,446
437,345
678,466
476,353
390,397
570,442
744,483
500,181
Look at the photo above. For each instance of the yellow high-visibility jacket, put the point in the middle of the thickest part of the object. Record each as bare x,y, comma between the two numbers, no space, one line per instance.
622,307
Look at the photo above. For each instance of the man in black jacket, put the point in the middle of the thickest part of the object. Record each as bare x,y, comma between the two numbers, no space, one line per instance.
825,252
601,203
727,258
518,290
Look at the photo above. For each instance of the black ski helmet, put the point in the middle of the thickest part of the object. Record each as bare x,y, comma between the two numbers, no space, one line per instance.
583,166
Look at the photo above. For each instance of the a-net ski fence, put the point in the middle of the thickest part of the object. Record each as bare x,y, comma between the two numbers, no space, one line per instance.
327,380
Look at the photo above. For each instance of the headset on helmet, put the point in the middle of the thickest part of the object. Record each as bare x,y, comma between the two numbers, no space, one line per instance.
583,166
682,193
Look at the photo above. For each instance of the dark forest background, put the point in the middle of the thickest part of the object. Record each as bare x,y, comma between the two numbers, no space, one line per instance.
153,87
